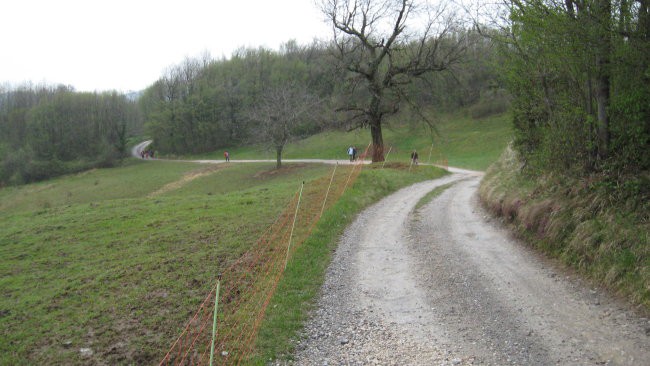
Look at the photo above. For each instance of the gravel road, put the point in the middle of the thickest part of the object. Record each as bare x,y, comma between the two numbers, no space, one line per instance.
445,285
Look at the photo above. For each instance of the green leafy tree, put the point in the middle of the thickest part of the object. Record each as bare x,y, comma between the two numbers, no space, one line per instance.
48,131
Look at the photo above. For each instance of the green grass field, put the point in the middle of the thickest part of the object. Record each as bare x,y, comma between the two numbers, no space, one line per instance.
463,141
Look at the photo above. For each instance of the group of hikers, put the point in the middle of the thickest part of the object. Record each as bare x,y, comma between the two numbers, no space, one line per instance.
146,154
352,153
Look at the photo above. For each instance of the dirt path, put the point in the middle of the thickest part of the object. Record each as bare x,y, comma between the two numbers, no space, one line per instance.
444,285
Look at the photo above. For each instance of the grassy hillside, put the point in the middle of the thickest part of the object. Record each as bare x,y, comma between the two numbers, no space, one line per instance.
465,142
117,260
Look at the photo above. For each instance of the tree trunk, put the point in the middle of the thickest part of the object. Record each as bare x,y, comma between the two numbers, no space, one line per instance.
278,156
644,19
603,54
377,141
375,121
602,99
569,8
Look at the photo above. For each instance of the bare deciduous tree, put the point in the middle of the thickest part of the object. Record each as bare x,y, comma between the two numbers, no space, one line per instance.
384,45
280,113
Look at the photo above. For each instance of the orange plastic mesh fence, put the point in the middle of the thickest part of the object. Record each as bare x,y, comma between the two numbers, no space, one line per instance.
246,286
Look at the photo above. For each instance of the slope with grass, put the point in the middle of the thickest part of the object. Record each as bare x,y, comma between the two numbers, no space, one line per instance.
105,267
110,261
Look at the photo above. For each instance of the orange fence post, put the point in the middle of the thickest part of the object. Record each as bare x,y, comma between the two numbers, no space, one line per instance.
328,191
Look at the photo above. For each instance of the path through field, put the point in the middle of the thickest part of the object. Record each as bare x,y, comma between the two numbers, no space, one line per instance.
445,285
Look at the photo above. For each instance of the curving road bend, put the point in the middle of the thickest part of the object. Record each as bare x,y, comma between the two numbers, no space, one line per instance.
444,285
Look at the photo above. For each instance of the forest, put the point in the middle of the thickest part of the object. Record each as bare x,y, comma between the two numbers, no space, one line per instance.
579,73
46,131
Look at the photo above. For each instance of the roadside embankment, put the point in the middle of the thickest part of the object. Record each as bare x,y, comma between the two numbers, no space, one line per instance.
603,235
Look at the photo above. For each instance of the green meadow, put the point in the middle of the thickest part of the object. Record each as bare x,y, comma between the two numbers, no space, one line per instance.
116,260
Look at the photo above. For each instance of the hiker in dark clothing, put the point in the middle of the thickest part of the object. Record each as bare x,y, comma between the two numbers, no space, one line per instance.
414,157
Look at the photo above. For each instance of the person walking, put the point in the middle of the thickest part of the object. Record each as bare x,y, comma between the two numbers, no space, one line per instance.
226,155
414,157
351,153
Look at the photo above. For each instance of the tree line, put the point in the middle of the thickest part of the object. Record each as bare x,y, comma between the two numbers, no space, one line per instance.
577,72
47,131
203,104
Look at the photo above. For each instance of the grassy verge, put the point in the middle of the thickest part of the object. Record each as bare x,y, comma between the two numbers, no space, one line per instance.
118,259
431,195
304,275
577,221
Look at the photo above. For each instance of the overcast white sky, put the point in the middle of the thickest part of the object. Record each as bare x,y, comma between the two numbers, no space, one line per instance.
127,44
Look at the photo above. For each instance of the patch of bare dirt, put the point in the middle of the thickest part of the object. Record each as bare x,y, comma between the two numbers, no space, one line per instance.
186,179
